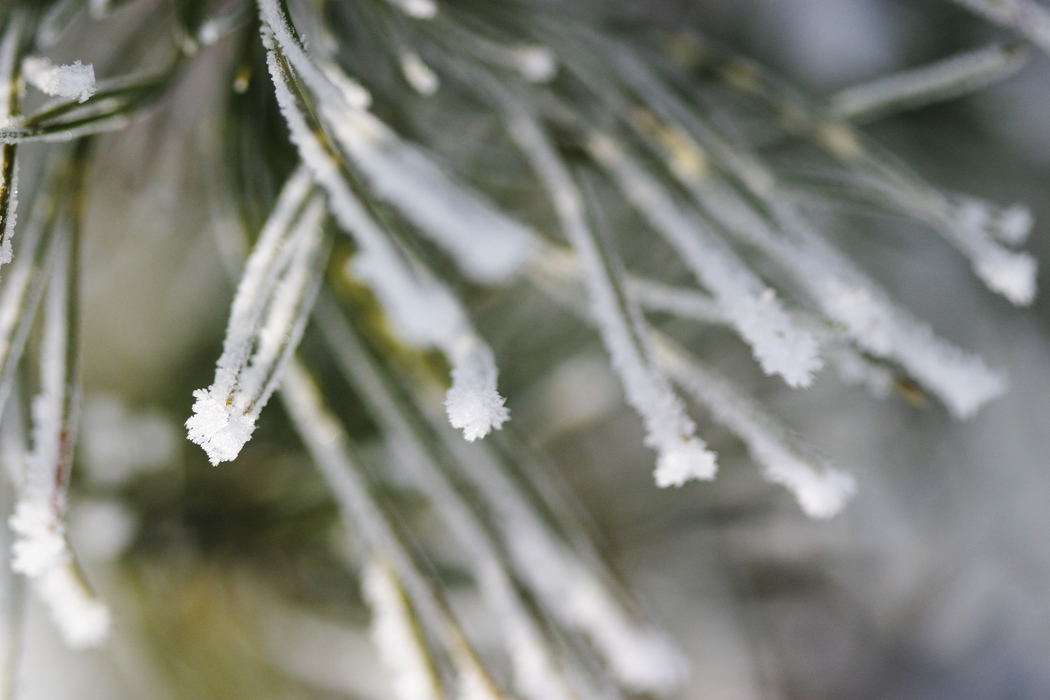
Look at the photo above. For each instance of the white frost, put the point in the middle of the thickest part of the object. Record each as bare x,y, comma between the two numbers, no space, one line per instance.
473,404
8,218
41,543
537,64
82,619
417,9
1010,274
73,80
1013,225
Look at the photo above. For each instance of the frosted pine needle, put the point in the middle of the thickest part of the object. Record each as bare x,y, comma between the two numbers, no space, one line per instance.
40,551
681,456
684,303
751,307
488,245
9,108
945,79
820,489
267,318
419,75
421,309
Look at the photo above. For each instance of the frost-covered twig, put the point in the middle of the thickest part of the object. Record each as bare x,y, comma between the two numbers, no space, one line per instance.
267,319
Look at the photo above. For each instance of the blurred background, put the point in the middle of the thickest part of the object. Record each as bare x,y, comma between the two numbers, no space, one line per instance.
933,583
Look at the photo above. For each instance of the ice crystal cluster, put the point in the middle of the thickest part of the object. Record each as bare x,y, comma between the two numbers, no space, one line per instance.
378,236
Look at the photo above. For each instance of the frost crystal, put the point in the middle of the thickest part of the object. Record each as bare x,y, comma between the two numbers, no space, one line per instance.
74,80
473,404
